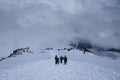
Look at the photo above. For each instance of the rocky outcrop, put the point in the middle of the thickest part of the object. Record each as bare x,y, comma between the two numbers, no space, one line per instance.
19,51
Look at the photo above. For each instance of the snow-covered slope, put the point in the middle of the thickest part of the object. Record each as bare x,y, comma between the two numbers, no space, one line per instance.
40,66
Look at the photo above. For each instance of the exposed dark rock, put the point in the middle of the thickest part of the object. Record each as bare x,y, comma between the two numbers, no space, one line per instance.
49,48
114,50
19,51
2,59
84,44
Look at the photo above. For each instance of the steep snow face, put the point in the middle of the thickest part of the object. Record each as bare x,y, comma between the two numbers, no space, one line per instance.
41,66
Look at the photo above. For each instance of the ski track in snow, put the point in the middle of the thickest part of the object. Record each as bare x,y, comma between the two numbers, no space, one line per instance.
47,70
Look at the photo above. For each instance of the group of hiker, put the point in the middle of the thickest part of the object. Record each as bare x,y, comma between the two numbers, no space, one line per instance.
60,59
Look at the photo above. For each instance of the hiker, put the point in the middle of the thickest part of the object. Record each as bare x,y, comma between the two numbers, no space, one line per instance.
65,60
56,59
61,59
84,50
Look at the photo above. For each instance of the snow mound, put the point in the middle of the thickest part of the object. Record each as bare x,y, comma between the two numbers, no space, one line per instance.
41,66
46,70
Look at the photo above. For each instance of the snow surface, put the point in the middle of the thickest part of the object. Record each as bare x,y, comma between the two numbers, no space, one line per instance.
40,66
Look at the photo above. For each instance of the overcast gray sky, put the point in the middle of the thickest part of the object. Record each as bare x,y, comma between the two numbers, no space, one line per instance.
54,23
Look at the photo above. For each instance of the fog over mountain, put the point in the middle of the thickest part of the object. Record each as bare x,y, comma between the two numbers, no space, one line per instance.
55,23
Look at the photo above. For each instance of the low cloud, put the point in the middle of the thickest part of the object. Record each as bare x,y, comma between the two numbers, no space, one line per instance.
53,23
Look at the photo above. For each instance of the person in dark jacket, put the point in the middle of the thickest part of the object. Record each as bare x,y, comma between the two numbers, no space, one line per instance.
56,59
61,59
65,60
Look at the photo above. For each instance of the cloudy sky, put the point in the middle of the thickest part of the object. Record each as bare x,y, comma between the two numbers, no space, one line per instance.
54,23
